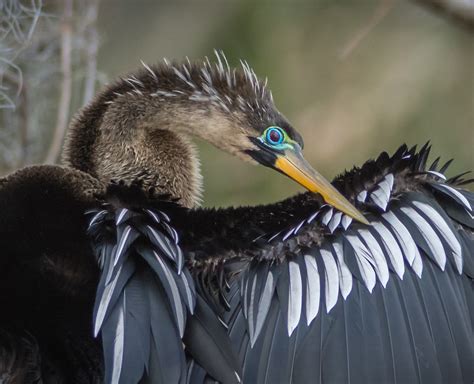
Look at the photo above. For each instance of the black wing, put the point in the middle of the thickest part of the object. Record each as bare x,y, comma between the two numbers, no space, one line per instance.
146,308
328,300
48,276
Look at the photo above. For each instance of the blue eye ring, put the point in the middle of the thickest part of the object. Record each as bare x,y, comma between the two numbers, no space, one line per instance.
274,136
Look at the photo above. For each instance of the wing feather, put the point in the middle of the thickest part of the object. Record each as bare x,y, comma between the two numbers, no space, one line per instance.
143,298
406,314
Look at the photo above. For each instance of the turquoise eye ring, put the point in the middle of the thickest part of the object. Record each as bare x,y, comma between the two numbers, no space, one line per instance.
274,136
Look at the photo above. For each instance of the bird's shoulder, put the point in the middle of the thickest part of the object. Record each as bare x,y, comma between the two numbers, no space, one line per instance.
43,223
40,188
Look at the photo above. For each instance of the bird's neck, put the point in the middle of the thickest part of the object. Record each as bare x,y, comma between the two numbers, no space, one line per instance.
140,139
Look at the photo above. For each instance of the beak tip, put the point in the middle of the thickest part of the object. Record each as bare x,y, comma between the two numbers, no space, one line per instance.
363,220
357,215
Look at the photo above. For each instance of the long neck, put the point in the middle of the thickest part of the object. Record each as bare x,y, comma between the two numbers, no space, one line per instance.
137,129
135,137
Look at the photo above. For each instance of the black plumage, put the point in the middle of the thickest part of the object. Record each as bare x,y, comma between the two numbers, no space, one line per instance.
299,291
418,329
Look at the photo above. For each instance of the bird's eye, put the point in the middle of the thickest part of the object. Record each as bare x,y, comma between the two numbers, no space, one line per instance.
274,136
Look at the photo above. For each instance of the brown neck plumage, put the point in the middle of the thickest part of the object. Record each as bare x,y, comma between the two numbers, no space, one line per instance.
137,138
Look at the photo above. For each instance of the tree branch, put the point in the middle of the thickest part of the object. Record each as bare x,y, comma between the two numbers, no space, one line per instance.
66,85
92,45
460,11
382,10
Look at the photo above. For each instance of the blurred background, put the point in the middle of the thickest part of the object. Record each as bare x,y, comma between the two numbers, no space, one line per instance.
354,77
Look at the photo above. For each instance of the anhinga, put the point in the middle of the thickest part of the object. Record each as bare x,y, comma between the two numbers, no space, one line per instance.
301,291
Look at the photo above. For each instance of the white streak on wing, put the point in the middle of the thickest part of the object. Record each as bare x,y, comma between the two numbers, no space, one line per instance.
164,247
104,302
295,297
346,221
175,300
327,216
362,257
251,307
110,263
379,197
101,259
119,341
189,294
313,288
417,265
460,197
121,244
437,174
222,322
96,218
180,258
389,178
428,234
345,275
312,217
385,187
273,237
121,215
172,247
403,236
164,216
298,227
288,234
239,380
335,221
362,196
392,247
331,279
244,289
381,267
171,231
264,304
445,231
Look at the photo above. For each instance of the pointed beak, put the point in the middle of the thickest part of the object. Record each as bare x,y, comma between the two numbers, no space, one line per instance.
293,165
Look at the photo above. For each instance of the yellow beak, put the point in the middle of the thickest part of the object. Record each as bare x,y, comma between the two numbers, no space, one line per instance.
293,164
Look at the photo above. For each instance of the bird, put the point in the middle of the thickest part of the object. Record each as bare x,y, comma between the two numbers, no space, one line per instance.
112,272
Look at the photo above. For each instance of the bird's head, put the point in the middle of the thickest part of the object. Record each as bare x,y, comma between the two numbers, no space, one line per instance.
249,126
